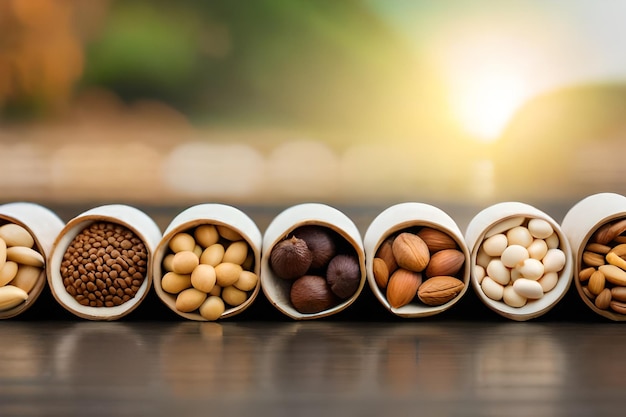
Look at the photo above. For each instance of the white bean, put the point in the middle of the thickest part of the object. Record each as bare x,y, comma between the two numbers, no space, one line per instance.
531,269
539,228
528,288
548,281
479,273
498,272
519,236
554,260
482,258
514,255
512,298
492,289
504,225
538,249
552,241
494,245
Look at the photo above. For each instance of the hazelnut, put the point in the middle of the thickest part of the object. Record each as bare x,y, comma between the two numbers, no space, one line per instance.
320,242
343,275
311,294
290,258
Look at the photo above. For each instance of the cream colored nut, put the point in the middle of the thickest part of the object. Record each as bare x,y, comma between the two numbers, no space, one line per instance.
206,235
8,272
167,262
233,296
515,275
11,296
614,259
482,258
539,228
585,274
227,274
184,262
596,282
236,252
531,269
189,300
603,300
495,245
203,278
549,281
504,225
3,252
492,289
592,258
228,233
182,242
198,250
174,283
248,263
553,241
26,277
512,298
497,271
519,236
538,249
514,255
554,261
213,255
479,273
212,308
25,256
247,281
613,274
16,235
217,290
528,288
410,252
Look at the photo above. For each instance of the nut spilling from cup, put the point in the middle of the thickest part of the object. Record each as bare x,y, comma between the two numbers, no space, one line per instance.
208,268
21,265
104,265
323,268
519,260
603,267
419,264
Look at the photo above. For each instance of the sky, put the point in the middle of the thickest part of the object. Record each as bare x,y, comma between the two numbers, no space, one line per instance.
495,55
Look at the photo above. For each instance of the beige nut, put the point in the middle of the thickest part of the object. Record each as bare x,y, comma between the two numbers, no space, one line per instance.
613,274
439,290
603,300
596,282
592,258
585,274
410,252
614,259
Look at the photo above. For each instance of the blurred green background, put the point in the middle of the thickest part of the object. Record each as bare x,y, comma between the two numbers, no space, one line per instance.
280,102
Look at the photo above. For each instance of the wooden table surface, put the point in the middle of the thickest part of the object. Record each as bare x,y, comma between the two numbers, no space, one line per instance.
361,362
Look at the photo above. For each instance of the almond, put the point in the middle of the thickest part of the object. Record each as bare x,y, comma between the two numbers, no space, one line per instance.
385,252
609,231
381,273
410,252
402,287
439,290
445,262
436,240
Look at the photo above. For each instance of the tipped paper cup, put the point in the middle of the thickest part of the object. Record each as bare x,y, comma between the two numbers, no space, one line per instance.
43,225
219,215
117,214
500,217
579,225
277,290
412,216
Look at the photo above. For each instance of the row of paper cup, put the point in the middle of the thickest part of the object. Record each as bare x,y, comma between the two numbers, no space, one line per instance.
52,237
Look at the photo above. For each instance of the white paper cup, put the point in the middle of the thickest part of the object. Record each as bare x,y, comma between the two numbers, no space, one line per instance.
44,226
217,215
277,290
406,216
496,217
579,225
119,214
